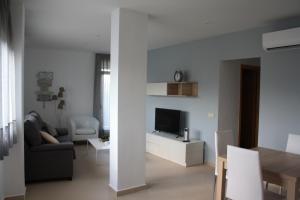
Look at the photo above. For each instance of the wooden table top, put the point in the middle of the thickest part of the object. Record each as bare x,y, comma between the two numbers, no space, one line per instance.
286,165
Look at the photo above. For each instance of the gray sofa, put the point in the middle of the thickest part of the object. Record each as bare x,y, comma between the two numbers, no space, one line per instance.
46,161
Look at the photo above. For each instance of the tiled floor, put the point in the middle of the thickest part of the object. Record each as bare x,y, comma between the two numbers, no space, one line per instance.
165,179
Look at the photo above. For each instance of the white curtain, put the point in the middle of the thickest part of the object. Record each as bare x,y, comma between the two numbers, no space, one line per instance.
7,83
105,99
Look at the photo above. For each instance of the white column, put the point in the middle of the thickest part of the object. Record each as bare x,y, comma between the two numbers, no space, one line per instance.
127,101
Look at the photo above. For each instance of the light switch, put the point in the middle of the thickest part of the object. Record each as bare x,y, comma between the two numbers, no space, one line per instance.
211,115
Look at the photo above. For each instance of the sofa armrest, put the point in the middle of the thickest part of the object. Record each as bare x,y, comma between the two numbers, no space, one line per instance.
53,147
54,159
62,131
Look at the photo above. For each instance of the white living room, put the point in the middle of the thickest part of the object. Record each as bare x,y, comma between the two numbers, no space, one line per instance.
149,99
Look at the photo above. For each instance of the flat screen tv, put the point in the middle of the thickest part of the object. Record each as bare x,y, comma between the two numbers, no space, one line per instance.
167,120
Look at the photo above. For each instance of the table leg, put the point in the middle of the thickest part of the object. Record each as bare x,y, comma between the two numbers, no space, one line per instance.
87,146
221,181
96,156
292,190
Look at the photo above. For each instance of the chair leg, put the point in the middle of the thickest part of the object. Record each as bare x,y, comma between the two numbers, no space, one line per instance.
267,185
280,190
214,192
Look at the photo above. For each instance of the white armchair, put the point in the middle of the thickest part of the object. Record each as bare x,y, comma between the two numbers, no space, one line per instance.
83,127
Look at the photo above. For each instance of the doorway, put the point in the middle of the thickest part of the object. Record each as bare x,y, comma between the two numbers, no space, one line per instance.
239,86
249,106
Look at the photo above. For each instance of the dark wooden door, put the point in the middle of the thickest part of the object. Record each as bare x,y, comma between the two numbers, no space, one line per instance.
249,106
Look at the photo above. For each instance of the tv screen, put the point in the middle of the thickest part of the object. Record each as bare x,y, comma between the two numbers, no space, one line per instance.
167,120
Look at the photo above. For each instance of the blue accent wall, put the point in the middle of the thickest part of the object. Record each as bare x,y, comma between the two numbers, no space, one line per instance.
280,84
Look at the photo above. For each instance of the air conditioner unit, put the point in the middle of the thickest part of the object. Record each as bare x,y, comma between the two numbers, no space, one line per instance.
289,38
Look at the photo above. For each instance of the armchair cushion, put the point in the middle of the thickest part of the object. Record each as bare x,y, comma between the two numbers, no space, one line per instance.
85,131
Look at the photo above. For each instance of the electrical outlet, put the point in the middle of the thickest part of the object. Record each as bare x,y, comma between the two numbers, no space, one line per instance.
211,115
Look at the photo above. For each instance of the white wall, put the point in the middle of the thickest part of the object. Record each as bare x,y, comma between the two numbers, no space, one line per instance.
12,168
229,96
128,99
1,180
73,70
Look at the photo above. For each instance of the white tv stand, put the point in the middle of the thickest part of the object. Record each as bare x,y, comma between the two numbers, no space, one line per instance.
169,147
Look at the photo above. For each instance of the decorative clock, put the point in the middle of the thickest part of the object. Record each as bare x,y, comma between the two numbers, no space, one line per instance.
178,76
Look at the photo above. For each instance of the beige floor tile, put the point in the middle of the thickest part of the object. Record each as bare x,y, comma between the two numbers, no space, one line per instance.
165,179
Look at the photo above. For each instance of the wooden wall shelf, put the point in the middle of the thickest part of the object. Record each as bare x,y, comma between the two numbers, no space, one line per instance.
180,89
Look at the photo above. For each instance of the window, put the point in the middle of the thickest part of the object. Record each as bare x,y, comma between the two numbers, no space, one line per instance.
105,98
7,84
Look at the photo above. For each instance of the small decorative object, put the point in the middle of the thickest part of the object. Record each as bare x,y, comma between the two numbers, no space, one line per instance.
61,105
61,92
186,135
178,76
54,97
44,82
59,108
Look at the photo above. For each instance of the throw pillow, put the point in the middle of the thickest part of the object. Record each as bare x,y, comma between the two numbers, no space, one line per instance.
49,138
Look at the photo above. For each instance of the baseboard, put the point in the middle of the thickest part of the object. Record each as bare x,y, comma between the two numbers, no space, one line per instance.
127,190
19,197
210,164
16,196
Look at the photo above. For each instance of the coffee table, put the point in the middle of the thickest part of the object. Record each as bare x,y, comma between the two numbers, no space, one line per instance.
98,145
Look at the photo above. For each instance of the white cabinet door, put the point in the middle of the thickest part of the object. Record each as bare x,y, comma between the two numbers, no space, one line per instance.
158,89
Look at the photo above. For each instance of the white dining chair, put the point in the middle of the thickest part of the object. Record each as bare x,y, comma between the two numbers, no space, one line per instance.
222,139
293,144
245,176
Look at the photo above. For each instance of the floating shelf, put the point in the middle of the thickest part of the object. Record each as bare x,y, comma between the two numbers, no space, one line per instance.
180,89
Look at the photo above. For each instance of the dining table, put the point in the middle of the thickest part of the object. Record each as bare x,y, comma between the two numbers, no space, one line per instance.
278,167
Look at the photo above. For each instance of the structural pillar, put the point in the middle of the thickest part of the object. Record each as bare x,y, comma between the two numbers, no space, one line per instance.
127,100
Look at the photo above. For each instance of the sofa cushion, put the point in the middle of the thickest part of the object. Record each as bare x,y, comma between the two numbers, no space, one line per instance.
41,125
64,138
51,130
49,138
32,134
85,131
33,120
62,132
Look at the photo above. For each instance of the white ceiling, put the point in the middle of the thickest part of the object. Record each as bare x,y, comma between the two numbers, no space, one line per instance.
85,24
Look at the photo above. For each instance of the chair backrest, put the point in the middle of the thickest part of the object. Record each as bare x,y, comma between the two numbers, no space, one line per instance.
293,144
222,139
243,174
83,121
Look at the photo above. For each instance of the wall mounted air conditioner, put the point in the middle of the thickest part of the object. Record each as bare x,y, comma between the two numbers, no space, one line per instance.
289,38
